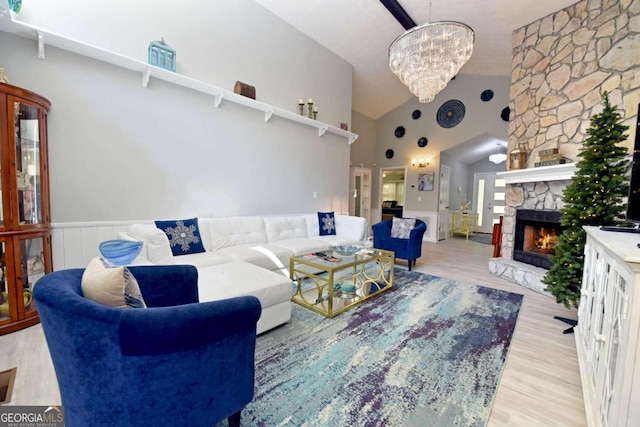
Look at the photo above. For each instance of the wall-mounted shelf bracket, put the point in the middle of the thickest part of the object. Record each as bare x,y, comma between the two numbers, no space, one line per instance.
9,23
145,77
40,44
217,99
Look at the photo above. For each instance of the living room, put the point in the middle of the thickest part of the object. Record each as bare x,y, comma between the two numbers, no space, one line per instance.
120,152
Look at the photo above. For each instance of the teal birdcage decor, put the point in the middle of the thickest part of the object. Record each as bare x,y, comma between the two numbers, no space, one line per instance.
162,55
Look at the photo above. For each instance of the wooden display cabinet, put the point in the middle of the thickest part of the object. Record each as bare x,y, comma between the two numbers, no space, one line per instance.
25,225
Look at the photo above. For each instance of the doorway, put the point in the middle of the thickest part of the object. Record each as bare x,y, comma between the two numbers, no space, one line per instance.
488,199
392,192
443,202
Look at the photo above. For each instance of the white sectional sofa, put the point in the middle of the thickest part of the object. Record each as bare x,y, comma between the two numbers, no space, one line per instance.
249,255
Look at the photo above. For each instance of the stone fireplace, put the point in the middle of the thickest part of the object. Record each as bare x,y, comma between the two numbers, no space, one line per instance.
560,65
534,195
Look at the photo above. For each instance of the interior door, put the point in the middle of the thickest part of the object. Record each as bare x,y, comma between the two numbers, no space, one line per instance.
392,187
443,202
488,199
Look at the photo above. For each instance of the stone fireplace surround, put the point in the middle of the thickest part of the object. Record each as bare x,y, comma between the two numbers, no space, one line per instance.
536,189
560,65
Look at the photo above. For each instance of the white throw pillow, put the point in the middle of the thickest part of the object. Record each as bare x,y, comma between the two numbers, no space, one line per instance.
114,287
401,227
157,245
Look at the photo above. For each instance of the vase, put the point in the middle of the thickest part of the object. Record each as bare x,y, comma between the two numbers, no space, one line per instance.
26,299
15,5
120,252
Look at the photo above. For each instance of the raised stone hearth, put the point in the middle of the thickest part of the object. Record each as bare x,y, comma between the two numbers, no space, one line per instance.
518,272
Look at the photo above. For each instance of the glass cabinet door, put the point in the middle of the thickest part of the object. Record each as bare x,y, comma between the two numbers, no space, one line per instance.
16,297
32,268
28,164
5,301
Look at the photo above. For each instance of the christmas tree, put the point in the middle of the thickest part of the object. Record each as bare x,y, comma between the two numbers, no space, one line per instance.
594,197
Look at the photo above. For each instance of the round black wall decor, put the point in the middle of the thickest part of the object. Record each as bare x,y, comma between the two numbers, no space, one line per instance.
487,95
504,114
416,114
399,132
422,142
389,153
450,113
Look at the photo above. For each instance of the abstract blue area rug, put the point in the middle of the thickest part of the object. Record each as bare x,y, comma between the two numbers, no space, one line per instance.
428,352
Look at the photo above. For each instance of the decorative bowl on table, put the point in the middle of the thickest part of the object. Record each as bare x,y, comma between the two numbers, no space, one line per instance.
345,250
120,252
346,289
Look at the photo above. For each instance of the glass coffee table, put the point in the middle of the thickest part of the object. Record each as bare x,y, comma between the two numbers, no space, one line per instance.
329,285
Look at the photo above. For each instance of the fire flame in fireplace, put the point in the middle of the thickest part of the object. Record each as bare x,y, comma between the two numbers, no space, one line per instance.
546,240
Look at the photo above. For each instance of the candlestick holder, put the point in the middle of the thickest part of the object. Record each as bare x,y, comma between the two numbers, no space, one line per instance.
310,104
301,108
315,115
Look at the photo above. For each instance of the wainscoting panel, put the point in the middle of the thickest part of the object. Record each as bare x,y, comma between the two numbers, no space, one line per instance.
74,244
429,218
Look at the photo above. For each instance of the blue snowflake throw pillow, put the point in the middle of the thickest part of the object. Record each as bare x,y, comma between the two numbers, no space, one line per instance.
184,236
327,223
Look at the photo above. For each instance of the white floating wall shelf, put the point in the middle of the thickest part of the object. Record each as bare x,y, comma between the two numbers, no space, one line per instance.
9,24
542,173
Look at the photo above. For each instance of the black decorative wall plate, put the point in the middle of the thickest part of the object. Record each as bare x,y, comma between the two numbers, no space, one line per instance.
416,114
504,114
422,142
487,95
450,113
399,132
389,153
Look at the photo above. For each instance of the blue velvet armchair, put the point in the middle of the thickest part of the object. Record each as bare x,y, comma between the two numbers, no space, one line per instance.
409,249
178,362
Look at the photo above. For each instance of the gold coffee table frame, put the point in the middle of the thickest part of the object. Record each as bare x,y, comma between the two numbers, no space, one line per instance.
360,283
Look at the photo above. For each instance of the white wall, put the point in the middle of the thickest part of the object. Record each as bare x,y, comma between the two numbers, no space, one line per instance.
363,150
480,118
217,41
118,151
458,180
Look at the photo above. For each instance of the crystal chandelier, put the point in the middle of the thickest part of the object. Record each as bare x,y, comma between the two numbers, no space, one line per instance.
428,56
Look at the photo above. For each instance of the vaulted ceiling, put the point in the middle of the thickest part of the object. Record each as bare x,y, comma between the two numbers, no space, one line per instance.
360,31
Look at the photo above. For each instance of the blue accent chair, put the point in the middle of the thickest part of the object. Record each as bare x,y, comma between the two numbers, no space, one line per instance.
178,362
409,249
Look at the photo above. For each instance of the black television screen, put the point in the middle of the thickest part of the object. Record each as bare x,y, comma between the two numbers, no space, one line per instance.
633,204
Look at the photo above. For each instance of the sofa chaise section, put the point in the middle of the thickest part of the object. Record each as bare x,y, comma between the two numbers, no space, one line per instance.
241,278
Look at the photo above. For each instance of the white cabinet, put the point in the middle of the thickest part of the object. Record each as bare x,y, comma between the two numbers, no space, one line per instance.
360,185
608,328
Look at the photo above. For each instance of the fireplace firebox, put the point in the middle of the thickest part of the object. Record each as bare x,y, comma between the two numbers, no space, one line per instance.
535,236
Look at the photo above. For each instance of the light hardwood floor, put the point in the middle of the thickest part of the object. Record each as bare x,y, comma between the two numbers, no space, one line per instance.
540,385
